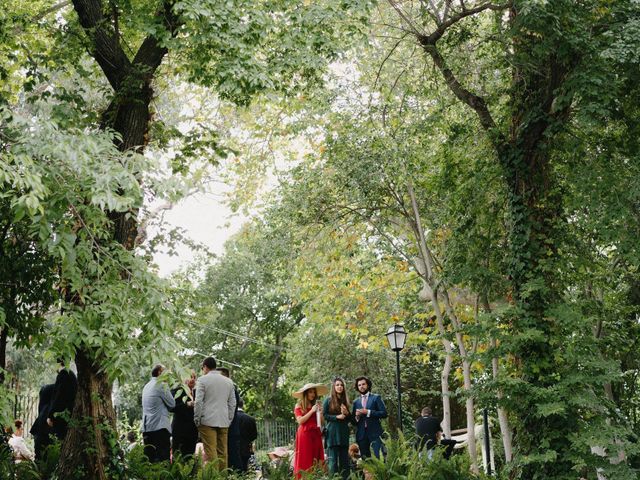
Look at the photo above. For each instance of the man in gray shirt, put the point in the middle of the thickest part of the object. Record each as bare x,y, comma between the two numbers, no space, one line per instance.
213,412
157,401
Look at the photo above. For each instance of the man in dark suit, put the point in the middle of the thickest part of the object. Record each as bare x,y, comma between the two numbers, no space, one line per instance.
428,431
40,430
248,435
368,409
233,439
64,398
429,435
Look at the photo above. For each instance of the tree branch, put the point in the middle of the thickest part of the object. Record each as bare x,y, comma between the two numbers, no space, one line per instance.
465,12
106,50
476,102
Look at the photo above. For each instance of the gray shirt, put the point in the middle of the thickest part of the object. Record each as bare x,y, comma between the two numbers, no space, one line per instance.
215,400
156,403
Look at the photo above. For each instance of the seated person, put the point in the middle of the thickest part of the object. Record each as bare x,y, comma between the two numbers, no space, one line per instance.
20,450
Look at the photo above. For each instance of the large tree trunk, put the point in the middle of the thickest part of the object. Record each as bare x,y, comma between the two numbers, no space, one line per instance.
86,452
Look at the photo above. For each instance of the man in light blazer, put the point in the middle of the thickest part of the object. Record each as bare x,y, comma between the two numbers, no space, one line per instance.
213,412
368,409
157,402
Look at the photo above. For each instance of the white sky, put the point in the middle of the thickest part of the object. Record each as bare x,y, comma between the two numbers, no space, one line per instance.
206,219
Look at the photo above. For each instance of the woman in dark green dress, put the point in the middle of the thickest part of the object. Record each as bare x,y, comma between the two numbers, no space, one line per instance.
337,414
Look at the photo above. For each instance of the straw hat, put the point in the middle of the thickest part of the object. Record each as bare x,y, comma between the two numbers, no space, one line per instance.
279,452
320,389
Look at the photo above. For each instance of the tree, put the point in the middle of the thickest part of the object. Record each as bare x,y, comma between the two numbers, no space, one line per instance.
548,60
241,313
240,48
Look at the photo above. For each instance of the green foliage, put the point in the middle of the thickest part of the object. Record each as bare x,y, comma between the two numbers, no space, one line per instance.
243,47
403,462
240,313
63,181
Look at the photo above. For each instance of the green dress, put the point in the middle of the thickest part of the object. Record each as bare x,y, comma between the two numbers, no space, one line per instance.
337,430
337,441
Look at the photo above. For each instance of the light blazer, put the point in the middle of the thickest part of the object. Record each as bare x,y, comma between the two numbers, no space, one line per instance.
378,411
215,400
157,401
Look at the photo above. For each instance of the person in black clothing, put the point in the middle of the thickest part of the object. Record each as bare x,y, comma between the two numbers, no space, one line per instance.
184,430
428,431
429,435
64,398
248,434
40,430
233,439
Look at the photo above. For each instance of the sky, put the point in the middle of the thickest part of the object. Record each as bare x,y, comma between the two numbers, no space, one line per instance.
206,219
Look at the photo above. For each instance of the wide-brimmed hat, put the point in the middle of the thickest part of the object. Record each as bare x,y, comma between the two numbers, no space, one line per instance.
279,452
321,389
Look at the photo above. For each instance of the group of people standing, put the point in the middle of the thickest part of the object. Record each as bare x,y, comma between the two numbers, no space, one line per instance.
208,408
337,414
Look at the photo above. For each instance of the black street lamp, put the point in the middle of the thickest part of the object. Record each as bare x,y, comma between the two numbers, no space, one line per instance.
397,336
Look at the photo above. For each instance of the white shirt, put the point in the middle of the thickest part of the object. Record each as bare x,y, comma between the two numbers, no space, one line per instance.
20,449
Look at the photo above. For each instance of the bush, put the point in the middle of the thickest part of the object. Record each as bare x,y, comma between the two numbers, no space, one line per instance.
403,463
20,471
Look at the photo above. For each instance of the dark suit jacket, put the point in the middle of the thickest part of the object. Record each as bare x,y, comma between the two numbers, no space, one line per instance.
373,428
248,432
182,425
234,430
64,397
427,429
40,426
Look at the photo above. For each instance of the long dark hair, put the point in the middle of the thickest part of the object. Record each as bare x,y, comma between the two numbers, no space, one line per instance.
337,400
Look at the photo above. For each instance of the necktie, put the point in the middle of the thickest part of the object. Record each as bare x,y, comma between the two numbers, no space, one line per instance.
364,405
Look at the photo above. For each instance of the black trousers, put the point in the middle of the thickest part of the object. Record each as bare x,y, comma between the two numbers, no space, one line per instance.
233,453
157,445
245,462
185,444
448,445
40,444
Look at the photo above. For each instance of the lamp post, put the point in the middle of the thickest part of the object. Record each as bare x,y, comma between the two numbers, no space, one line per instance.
397,336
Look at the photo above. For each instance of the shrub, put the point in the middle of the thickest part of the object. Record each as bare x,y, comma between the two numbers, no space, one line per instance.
402,462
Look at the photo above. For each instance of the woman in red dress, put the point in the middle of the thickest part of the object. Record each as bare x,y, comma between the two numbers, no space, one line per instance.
308,412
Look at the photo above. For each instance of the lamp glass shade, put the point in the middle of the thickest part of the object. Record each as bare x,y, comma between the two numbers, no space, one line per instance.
397,336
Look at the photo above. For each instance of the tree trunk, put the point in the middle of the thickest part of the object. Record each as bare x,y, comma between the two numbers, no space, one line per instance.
471,416
503,419
3,352
86,450
434,288
505,430
446,393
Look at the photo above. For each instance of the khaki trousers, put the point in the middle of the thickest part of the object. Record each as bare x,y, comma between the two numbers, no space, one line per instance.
214,440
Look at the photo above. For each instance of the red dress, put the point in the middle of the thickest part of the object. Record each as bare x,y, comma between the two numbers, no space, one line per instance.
309,448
